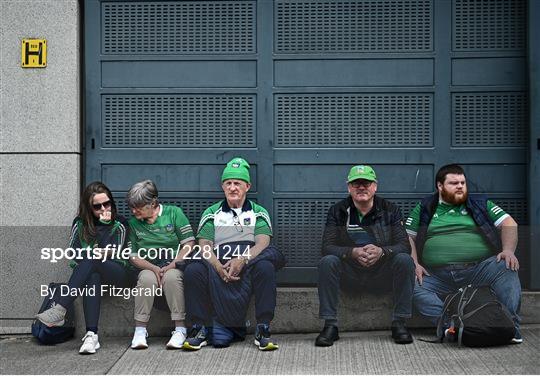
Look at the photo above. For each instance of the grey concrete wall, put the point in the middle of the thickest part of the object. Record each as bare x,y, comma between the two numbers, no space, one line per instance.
296,312
40,151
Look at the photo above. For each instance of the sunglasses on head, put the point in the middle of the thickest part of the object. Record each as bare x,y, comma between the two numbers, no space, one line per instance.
104,205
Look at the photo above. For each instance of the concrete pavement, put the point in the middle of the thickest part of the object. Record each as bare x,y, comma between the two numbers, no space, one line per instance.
369,352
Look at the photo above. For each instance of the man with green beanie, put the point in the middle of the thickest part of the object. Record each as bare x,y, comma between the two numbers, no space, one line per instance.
237,259
365,248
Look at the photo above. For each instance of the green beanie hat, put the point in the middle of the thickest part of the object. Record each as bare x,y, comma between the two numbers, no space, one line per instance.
237,168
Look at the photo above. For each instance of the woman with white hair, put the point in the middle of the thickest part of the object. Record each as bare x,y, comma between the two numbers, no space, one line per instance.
160,235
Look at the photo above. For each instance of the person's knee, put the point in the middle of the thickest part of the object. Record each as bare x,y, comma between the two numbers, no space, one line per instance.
500,270
195,271
173,276
403,261
147,278
263,267
329,262
94,279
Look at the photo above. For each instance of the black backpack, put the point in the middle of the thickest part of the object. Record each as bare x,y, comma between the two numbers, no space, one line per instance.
57,334
476,318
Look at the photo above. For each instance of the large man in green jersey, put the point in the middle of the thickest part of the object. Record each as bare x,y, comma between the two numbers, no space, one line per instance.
460,240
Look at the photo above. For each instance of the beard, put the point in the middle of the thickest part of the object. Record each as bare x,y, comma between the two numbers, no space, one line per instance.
454,198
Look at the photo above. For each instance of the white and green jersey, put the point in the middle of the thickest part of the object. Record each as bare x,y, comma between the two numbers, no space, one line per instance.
222,224
452,235
170,230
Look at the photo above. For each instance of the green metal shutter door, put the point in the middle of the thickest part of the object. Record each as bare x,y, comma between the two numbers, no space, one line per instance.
304,89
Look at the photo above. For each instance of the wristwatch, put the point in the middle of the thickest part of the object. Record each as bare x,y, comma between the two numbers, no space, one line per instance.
387,252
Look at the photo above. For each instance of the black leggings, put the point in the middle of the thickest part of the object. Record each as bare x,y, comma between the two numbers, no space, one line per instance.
89,273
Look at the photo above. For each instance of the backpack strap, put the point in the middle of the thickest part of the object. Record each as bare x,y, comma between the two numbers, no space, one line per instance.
461,309
481,307
440,323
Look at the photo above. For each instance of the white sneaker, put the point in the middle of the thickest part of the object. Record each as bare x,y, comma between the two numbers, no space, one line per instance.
54,316
177,340
139,340
90,343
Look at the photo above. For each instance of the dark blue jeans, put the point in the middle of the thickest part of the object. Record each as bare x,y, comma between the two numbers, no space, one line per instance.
90,273
428,297
396,274
197,293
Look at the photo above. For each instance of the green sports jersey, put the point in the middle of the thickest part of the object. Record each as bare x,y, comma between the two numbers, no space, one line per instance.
452,234
170,230
222,224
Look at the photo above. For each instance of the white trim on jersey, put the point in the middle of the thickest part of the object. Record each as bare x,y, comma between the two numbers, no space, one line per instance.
499,221
74,231
205,219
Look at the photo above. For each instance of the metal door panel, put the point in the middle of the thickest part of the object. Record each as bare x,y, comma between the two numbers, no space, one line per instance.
303,89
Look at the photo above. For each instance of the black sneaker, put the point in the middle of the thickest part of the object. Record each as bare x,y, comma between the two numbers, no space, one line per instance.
263,340
197,338
328,336
400,333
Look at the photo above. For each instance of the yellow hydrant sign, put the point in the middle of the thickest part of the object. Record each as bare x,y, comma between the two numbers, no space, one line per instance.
34,53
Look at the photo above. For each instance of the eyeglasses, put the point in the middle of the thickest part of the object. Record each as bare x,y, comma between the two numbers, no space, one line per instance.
361,183
139,208
237,225
104,205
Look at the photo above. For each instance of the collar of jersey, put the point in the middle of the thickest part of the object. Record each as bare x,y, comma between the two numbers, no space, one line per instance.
226,208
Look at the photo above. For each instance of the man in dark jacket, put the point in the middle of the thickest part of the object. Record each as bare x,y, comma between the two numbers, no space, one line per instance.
461,239
365,247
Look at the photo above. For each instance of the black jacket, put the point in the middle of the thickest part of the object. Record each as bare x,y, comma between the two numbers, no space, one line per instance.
386,227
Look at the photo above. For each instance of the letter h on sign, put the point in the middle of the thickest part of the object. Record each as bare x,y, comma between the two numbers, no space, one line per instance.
34,53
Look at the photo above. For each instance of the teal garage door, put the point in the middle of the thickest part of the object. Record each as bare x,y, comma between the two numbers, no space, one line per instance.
303,89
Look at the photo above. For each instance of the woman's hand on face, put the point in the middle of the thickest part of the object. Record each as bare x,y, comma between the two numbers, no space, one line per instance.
105,216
